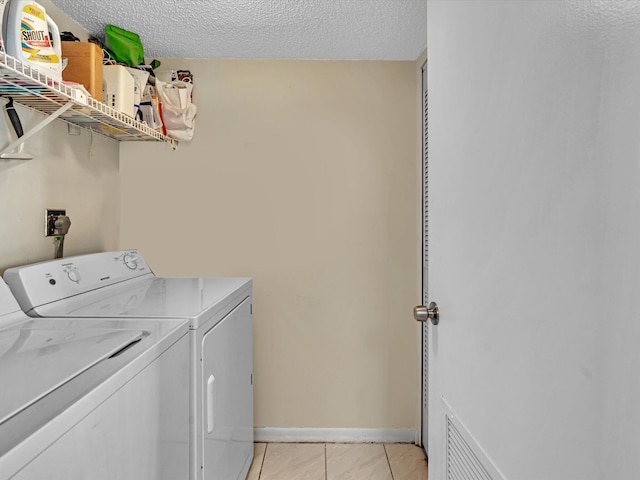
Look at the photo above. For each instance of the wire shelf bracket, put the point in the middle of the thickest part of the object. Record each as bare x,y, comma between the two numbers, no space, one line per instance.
8,151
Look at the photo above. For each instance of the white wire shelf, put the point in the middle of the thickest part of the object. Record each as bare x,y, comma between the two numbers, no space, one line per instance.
37,91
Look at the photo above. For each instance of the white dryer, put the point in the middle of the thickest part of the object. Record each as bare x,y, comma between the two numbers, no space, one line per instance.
219,312
92,398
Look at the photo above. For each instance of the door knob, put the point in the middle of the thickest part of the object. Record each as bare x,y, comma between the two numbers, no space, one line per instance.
422,313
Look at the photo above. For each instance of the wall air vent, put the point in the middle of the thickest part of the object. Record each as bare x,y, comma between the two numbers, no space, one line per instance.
465,458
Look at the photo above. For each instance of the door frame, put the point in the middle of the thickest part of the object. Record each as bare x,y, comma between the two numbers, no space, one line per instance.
425,338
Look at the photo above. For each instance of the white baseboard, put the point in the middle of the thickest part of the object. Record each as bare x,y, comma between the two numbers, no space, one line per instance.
334,435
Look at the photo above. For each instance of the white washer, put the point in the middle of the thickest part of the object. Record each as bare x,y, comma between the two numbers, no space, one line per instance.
81,398
219,311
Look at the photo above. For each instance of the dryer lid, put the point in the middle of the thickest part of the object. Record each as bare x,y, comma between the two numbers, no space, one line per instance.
35,361
151,297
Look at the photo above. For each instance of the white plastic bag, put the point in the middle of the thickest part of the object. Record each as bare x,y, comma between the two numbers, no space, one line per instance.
140,78
178,113
149,110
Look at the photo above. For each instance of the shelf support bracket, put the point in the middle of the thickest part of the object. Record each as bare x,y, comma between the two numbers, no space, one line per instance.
8,151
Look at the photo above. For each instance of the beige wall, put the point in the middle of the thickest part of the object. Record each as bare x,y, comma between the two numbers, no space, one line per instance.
78,173
302,175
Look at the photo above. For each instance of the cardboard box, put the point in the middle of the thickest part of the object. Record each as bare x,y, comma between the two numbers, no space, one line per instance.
85,66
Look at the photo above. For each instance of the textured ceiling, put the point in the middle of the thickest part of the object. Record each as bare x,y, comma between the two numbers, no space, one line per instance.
310,29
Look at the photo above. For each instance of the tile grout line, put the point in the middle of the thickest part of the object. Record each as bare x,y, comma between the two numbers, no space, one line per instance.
388,461
264,455
326,474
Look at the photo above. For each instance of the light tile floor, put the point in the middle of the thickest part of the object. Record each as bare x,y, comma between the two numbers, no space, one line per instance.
338,461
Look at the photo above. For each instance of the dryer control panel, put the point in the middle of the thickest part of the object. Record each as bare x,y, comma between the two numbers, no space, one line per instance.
40,283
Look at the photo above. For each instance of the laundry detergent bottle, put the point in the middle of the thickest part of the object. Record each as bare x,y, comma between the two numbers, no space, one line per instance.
32,37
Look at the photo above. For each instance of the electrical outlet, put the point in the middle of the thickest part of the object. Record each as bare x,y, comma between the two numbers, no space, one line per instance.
50,217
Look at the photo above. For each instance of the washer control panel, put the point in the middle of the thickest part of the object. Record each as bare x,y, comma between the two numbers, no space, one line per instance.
40,283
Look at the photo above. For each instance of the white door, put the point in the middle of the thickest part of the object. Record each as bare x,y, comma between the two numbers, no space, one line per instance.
534,201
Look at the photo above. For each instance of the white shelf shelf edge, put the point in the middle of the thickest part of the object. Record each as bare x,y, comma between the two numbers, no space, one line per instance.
37,91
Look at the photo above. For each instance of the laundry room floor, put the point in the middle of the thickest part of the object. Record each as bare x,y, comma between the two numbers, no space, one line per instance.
338,461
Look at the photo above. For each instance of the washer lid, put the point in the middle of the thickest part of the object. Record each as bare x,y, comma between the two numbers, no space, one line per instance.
8,303
34,362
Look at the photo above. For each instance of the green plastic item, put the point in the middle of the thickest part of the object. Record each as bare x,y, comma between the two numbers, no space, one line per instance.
124,46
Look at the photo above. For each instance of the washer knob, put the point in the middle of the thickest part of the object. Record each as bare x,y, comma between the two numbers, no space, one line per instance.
74,275
131,262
